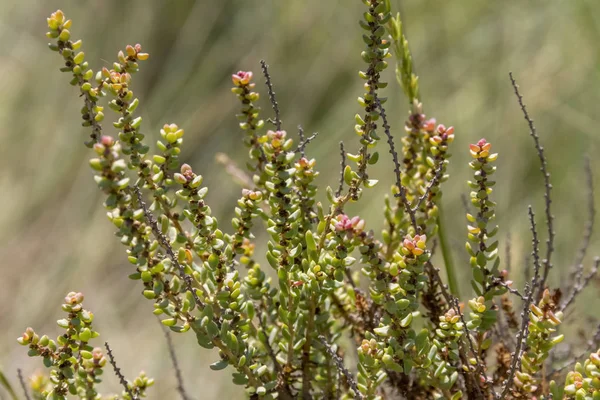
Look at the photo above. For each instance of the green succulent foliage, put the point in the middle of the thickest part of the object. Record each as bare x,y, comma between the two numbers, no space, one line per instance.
583,383
282,331
75,366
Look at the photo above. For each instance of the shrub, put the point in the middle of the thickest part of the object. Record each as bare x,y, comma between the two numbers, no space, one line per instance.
334,277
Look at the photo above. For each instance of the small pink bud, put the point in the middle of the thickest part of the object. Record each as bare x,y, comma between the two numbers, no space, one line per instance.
107,141
429,125
130,50
241,78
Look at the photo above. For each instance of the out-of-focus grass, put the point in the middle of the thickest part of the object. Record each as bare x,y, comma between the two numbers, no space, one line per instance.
54,236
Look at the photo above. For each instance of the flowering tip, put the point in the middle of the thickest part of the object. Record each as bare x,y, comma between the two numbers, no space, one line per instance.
107,141
241,78
429,125
354,224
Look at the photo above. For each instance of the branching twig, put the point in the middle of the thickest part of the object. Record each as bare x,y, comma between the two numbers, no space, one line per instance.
581,284
265,69
591,346
302,146
118,373
547,186
341,368
23,386
304,142
338,193
178,376
436,178
589,226
167,246
401,189
512,290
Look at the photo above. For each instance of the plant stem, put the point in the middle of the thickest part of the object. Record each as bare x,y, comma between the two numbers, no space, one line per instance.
447,255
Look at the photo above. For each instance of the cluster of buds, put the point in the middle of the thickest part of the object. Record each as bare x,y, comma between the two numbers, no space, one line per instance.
481,150
249,119
480,230
353,226
374,55
477,307
74,365
270,335
584,381
370,368
304,177
275,142
242,79
413,246
441,139
246,210
418,131
446,343
543,324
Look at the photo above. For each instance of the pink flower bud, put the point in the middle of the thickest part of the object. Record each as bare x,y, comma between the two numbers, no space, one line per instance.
107,141
241,78
429,125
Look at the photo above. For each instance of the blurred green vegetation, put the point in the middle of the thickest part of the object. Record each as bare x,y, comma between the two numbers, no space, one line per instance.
54,236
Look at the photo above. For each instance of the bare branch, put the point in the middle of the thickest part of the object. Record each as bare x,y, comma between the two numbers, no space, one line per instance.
265,69
341,368
589,227
304,142
529,289
512,290
23,385
118,373
302,147
401,189
547,186
581,284
436,178
178,376
167,246
338,193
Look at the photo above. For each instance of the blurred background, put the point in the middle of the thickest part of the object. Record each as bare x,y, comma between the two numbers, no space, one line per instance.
54,235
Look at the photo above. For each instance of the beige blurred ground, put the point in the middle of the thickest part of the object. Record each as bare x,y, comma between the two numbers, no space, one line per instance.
54,236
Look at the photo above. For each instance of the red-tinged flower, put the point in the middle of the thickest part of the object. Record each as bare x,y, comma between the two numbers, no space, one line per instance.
429,125
187,172
277,138
107,141
354,224
414,245
481,149
241,78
